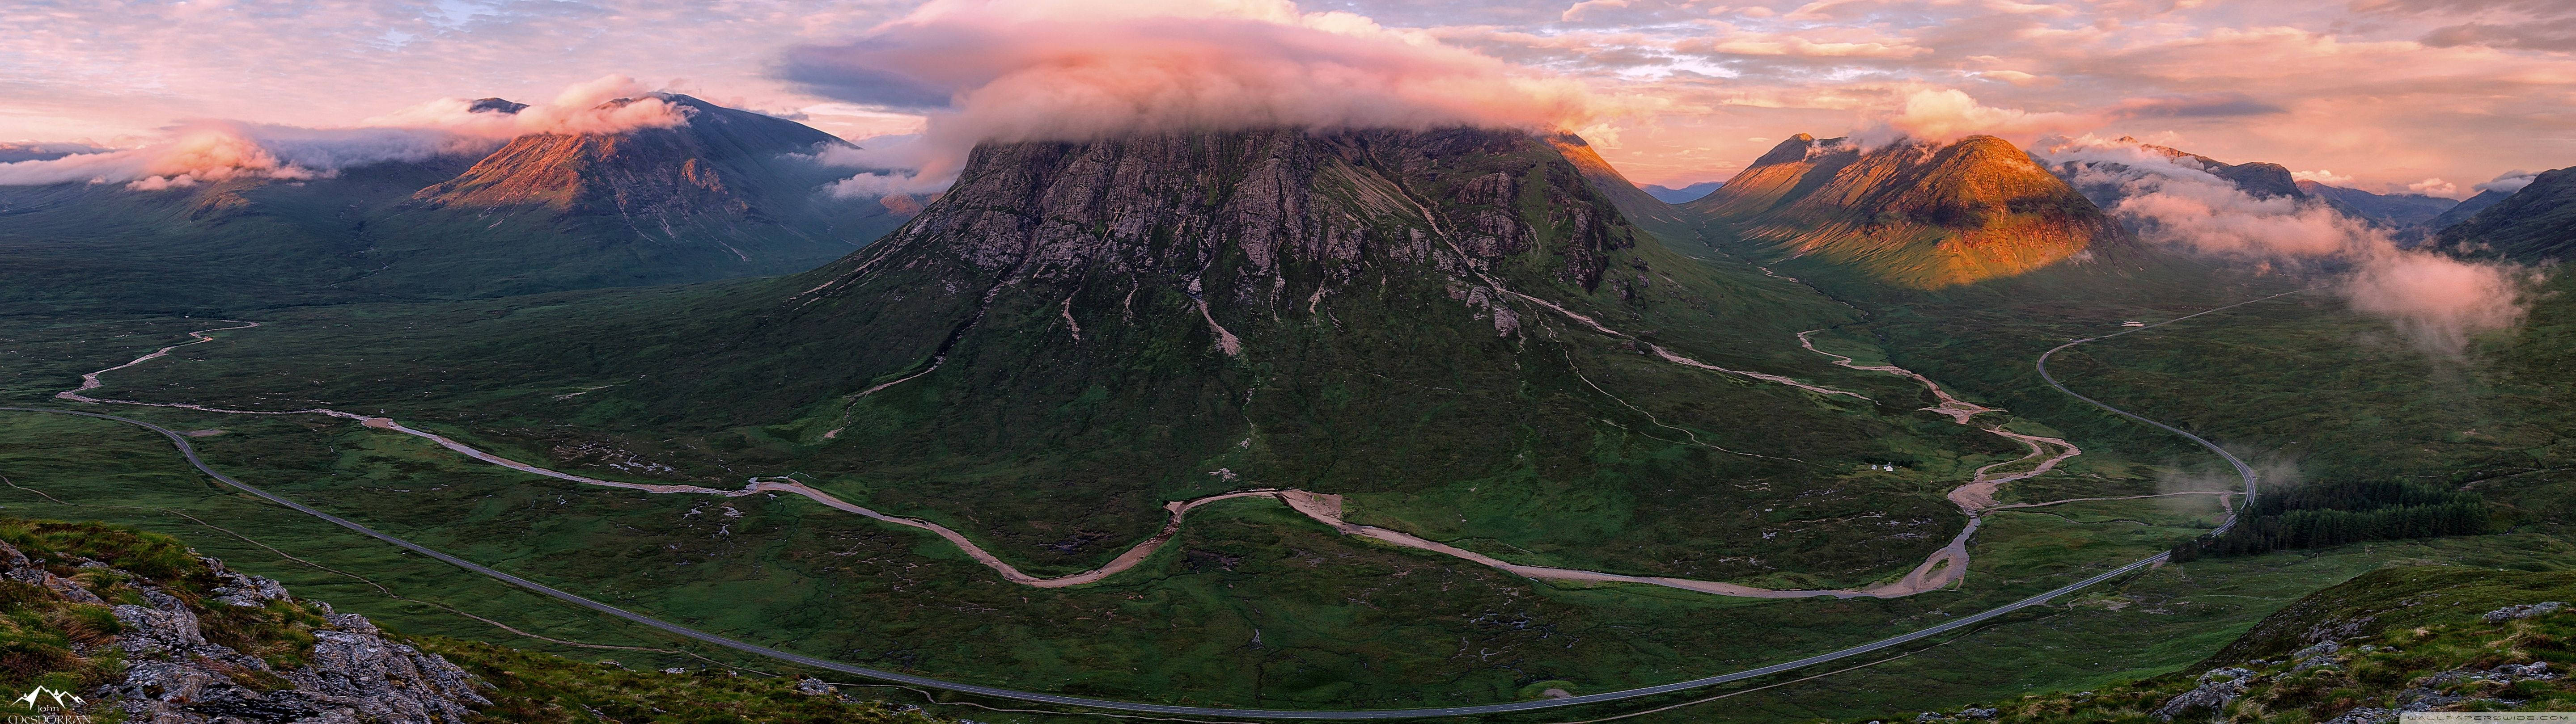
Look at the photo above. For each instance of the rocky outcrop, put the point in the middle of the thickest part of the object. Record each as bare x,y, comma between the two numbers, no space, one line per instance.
1178,204
2217,688
2523,611
351,672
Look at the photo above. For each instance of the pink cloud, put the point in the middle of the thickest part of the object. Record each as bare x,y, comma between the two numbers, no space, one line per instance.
2438,301
1017,70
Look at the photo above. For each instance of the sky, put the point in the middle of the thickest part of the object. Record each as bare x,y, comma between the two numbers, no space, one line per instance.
2436,96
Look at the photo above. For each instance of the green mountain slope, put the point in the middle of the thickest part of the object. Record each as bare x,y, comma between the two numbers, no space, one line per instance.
1078,333
2394,640
2535,223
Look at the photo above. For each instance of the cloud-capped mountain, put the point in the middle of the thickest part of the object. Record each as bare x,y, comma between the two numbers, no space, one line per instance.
2533,224
1170,314
1918,214
2104,180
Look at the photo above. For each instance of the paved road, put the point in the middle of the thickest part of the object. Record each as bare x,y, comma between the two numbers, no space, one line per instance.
2242,470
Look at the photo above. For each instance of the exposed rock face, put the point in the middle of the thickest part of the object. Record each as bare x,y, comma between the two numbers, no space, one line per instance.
174,675
1917,214
1271,219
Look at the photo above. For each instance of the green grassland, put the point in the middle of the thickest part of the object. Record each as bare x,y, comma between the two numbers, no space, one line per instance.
2399,626
1562,445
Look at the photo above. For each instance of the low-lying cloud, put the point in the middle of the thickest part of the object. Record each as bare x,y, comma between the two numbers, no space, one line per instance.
1022,70
2438,301
205,151
2509,181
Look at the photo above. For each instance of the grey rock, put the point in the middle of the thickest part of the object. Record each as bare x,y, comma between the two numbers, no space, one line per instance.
1978,713
2321,649
2537,670
175,676
2366,715
810,686
2217,688
24,570
2527,610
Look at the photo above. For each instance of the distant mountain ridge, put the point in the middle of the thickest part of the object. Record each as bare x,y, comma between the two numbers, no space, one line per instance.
2534,224
2397,210
1681,195
1925,215
2467,208
728,193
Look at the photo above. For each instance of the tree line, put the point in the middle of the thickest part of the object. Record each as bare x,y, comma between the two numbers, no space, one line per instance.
2317,515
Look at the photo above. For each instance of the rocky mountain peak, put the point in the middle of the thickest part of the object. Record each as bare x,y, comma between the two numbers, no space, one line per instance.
1915,213
1272,218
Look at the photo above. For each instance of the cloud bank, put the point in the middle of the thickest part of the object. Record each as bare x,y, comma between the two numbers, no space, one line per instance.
205,151
2437,301
1021,70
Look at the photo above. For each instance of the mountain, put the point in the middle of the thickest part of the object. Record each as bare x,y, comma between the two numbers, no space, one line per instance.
729,193
2397,210
2465,209
1635,203
2105,181
2535,223
1076,333
2259,179
1680,195
1912,213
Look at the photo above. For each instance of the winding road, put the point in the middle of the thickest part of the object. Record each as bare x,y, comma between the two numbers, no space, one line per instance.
1323,508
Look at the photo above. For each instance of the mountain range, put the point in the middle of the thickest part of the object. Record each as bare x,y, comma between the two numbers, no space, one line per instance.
1681,195
728,193
1488,340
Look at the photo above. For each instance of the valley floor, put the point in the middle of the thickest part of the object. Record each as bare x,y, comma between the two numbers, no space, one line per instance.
1309,614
